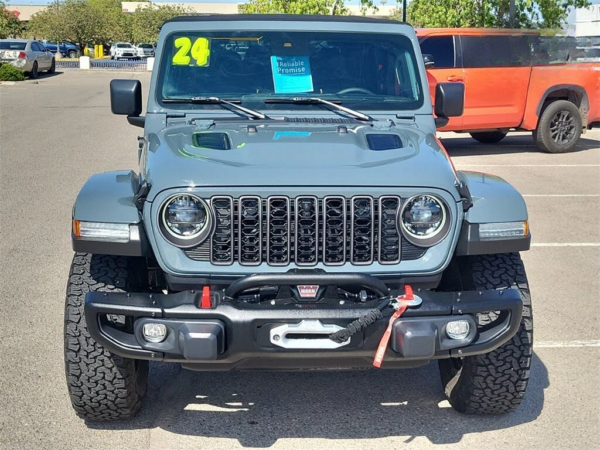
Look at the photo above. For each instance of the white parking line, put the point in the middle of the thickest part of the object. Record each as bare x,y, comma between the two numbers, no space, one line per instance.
458,164
561,195
566,344
565,244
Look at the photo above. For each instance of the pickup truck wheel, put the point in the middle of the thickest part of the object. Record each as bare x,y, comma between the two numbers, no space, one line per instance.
72,54
102,386
559,127
495,382
488,137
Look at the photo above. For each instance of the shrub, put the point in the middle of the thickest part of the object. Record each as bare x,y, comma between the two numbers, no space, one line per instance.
11,73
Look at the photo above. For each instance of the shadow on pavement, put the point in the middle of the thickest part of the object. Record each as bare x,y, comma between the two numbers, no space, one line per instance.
258,408
466,146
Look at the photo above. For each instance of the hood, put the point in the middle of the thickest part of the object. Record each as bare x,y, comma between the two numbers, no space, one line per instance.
292,154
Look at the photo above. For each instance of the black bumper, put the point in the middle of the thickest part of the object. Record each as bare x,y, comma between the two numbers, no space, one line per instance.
237,335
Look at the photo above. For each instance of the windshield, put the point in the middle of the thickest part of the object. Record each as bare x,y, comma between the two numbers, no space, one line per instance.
145,46
12,45
123,45
367,71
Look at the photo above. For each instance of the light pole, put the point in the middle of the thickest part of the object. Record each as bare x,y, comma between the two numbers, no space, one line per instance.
404,10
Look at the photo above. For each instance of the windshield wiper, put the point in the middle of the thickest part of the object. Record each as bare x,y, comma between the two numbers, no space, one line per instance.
216,101
318,101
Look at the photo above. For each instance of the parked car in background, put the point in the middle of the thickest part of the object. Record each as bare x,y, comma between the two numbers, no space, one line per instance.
123,50
67,49
145,50
513,82
28,55
591,54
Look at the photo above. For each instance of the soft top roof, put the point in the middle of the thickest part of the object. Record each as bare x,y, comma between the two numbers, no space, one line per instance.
279,18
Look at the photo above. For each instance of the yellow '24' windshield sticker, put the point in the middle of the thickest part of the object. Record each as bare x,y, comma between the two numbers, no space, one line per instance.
199,51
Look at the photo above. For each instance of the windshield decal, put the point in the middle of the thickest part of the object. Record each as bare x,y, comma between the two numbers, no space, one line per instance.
290,134
291,74
199,50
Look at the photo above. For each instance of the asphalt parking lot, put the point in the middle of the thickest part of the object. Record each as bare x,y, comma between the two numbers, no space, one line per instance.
56,132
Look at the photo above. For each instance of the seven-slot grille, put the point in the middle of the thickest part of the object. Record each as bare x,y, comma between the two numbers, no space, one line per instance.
305,230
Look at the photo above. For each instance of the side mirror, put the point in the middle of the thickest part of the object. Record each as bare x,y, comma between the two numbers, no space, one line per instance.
126,97
428,60
449,99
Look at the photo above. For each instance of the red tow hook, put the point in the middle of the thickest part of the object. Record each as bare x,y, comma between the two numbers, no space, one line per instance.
205,303
399,304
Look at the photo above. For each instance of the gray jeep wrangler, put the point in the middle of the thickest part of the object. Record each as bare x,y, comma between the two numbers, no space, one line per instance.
294,210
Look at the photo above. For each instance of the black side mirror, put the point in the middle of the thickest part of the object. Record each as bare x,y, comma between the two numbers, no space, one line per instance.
428,60
126,99
449,99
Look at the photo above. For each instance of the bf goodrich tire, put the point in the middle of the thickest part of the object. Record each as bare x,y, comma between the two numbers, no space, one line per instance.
102,386
559,127
488,137
495,382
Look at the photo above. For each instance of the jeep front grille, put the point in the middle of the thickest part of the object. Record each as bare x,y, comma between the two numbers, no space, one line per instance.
305,230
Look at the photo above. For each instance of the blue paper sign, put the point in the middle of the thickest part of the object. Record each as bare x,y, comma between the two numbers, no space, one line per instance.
291,74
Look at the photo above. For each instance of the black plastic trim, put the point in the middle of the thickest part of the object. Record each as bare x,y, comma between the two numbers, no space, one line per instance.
242,321
318,278
470,244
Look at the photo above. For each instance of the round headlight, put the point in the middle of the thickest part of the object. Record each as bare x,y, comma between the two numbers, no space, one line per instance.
186,219
423,219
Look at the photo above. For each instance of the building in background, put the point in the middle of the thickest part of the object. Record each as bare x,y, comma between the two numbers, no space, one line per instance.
587,22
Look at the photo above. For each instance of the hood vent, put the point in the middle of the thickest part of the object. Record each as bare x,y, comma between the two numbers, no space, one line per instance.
384,141
212,141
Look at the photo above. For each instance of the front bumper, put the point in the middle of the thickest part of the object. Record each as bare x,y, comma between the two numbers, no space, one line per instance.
239,335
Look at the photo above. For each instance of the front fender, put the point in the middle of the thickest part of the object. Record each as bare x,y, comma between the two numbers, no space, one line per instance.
494,201
110,198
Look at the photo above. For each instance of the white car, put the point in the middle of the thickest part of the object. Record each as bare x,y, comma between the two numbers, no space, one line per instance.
145,50
28,55
123,50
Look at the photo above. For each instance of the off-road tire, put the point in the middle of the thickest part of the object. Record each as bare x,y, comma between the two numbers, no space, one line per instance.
542,135
102,386
52,68
488,137
495,382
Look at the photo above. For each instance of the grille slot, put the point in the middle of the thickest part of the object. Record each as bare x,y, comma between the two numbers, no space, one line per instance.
334,230
250,230
278,231
223,238
389,238
307,231
362,228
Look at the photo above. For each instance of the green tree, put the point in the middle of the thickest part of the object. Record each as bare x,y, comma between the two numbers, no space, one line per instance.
318,7
116,25
71,20
491,13
10,25
147,21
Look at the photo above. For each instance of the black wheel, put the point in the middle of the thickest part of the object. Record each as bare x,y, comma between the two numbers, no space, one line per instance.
488,137
52,68
102,386
495,382
72,54
559,127
34,71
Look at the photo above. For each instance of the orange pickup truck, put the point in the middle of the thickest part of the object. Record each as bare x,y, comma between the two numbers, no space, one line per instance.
511,83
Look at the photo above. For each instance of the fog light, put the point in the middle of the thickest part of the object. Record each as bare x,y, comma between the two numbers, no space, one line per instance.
458,329
154,332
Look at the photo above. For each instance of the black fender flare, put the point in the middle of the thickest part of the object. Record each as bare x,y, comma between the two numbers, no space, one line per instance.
580,90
